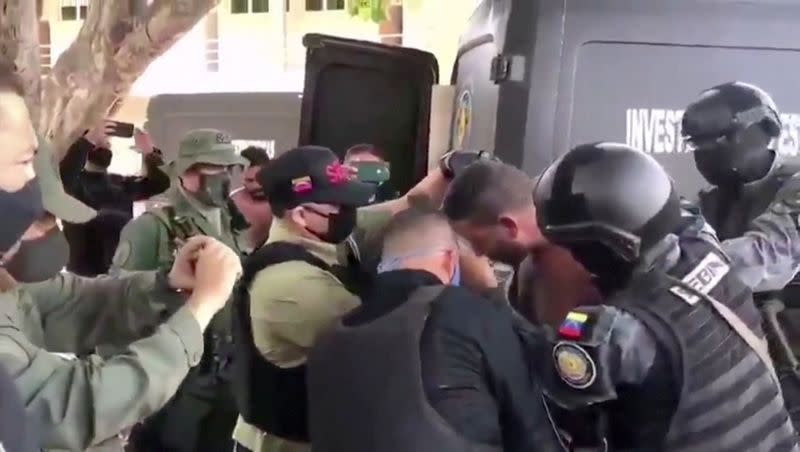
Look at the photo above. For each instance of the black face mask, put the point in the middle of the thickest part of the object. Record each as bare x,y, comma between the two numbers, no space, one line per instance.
732,162
20,209
610,272
215,189
40,259
340,225
257,195
100,157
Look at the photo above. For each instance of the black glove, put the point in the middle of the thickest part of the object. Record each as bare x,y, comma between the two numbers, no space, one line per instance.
154,159
453,162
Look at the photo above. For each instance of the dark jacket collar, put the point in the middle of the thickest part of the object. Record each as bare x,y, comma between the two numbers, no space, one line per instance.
390,290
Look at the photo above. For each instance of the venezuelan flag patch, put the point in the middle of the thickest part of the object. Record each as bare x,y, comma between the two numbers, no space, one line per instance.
574,326
302,184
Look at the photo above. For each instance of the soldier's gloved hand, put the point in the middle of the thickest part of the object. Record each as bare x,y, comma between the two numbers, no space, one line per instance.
154,159
216,270
453,162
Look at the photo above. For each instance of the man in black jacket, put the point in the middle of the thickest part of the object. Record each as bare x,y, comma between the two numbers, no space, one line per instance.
421,349
84,171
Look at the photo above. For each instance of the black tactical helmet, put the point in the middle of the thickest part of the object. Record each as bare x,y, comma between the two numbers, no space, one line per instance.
726,109
607,203
730,126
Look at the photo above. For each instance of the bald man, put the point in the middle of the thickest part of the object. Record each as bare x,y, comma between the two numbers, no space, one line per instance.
421,350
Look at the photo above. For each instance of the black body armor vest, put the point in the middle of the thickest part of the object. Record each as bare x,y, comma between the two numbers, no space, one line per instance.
728,401
269,397
383,408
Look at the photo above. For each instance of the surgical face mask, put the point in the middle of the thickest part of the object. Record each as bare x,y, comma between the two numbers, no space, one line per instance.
214,189
40,259
100,157
396,263
455,280
20,209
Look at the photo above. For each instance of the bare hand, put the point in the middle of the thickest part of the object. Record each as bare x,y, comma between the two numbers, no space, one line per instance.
182,274
98,136
143,142
216,270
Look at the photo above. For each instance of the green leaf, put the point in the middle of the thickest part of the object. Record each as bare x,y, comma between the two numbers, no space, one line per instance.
378,10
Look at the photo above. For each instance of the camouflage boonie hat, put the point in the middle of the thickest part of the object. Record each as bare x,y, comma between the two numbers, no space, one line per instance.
55,199
209,146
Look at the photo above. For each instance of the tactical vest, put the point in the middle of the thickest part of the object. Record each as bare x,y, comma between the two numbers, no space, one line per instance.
381,407
728,399
269,397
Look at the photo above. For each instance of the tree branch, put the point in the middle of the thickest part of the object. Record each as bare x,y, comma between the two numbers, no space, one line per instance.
19,45
113,48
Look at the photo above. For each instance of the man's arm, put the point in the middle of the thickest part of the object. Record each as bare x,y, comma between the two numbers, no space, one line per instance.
457,382
71,166
81,403
295,302
478,376
152,183
429,190
77,313
767,256
589,364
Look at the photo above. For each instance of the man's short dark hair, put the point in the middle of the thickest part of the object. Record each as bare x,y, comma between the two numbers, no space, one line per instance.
257,156
365,148
406,227
10,81
484,191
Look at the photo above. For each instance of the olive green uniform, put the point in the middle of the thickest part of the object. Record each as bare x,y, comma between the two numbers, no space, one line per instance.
86,402
293,302
203,412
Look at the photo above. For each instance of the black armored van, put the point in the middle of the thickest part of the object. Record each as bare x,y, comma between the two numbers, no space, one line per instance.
535,77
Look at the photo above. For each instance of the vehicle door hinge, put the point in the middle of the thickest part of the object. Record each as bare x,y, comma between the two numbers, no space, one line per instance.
501,68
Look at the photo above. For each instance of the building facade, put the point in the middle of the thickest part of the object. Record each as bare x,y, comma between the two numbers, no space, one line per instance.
256,45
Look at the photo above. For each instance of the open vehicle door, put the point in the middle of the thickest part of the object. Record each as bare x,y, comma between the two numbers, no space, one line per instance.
364,92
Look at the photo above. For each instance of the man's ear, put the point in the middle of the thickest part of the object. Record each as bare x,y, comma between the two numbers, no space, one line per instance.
510,225
297,215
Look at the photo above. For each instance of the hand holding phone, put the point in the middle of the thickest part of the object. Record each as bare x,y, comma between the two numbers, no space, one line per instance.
120,129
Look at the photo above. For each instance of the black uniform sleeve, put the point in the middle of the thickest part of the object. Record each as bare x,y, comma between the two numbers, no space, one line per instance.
154,182
475,372
598,350
71,166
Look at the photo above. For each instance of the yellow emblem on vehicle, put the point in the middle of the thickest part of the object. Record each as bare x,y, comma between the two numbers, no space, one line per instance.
574,365
463,119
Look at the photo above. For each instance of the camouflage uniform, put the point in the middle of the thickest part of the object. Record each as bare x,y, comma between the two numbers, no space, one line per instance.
202,415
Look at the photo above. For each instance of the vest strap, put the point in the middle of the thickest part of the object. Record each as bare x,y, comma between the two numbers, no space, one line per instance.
759,346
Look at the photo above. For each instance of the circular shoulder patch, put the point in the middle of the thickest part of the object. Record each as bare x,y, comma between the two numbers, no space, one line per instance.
122,254
574,365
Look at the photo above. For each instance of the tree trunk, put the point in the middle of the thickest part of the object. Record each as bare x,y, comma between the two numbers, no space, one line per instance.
113,48
19,45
